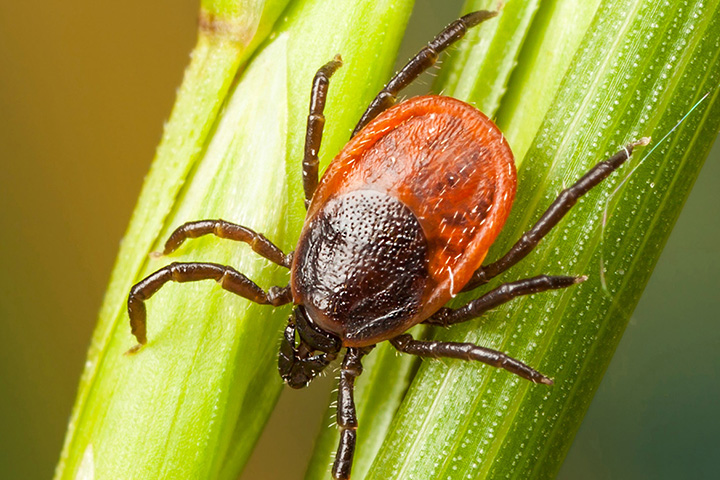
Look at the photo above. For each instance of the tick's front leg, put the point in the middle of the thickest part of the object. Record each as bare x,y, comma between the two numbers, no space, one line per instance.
467,351
346,416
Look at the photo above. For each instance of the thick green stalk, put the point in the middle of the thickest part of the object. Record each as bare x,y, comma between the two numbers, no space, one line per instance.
590,77
631,75
381,388
477,70
192,402
218,54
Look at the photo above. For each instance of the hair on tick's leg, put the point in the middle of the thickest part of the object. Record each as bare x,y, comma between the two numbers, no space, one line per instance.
425,59
346,415
552,216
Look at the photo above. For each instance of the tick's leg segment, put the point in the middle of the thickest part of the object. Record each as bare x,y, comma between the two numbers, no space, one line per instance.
425,59
228,278
562,204
315,124
231,231
346,417
467,351
502,294
296,363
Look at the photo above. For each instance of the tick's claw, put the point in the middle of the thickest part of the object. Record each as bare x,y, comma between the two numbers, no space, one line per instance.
134,349
642,142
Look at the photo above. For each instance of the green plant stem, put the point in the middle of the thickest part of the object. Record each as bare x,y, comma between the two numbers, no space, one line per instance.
215,59
192,402
591,76
627,79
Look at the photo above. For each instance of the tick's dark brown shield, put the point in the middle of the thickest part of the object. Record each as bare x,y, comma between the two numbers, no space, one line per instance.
443,175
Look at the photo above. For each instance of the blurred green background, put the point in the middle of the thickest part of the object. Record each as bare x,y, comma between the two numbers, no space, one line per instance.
84,90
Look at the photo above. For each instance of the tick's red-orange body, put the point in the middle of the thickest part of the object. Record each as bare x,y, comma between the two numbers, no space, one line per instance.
400,222
452,169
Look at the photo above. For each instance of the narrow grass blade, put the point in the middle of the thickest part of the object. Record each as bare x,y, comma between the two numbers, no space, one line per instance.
637,69
192,403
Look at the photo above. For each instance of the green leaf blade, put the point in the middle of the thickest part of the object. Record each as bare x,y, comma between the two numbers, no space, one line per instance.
478,69
192,403
629,79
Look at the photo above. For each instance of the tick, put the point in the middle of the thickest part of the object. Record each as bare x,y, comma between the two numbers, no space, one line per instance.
398,225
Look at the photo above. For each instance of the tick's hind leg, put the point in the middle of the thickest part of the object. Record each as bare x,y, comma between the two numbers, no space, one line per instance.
228,278
502,294
315,125
425,59
230,231
557,210
467,351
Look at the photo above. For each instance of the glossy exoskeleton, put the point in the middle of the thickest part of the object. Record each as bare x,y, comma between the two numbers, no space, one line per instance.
399,224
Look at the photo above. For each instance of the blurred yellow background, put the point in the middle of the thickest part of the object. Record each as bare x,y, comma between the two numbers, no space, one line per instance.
84,90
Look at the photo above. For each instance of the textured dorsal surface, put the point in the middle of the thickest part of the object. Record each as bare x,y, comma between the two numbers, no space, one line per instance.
365,259
433,174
